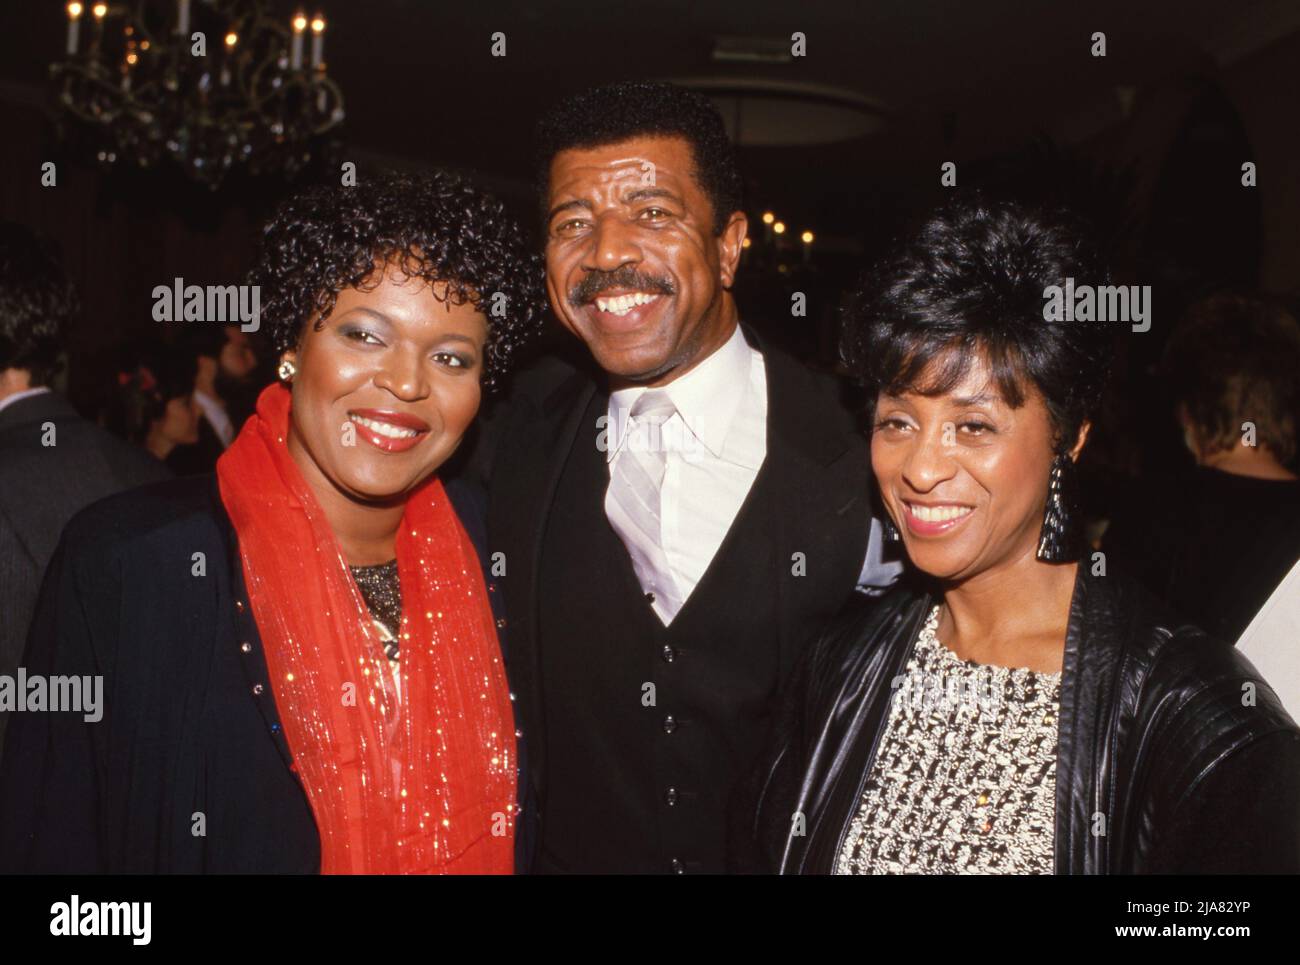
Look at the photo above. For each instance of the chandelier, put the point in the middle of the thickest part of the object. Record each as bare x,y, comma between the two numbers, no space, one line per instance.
212,85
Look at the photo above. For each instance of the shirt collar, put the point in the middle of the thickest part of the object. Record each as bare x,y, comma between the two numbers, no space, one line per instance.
707,397
24,394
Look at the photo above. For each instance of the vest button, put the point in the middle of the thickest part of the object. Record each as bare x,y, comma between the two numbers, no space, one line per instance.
678,867
650,598
501,622
239,606
670,796
670,724
669,654
257,690
246,647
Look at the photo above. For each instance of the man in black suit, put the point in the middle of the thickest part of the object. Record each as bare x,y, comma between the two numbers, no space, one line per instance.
52,461
225,388
674,526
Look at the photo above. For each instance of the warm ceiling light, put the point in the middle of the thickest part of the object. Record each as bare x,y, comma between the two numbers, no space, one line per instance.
99,10
299,23
232,38
746,243
74,10
768,217
317,25
806,237
779,227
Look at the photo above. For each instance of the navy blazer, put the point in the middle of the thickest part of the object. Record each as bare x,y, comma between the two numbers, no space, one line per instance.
188,770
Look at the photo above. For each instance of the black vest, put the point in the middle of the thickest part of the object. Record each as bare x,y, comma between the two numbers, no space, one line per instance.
648,727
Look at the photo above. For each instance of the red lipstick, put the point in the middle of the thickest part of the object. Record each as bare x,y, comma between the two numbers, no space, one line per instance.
387,430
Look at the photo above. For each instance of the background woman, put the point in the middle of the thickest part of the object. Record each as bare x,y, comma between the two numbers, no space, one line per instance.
300,667
1009,708
155,405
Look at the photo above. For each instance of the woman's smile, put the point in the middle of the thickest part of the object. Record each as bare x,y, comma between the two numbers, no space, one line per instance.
935,519
387,430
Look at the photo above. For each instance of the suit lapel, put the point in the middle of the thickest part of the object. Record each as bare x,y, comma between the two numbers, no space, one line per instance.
526,477
821,474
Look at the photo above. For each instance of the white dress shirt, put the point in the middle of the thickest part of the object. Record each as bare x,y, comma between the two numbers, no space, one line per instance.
217,417
715,443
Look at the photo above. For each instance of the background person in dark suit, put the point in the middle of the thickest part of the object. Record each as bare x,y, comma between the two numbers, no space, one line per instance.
52,461
225,365
674,523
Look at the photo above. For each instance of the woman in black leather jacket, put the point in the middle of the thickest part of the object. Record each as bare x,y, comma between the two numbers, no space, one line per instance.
1009,707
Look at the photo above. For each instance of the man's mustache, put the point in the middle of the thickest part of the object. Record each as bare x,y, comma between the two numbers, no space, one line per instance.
596,283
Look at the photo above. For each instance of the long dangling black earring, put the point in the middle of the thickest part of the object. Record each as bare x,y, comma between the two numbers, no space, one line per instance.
1059,540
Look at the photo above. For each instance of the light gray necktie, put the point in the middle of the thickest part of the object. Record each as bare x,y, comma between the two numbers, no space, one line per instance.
635,485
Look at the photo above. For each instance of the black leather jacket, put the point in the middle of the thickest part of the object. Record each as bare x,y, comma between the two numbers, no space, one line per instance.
1173,754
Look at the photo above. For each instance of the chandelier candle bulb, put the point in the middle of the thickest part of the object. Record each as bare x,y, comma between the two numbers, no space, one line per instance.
232,38
183,17
74,26
317,41
98,11
295,49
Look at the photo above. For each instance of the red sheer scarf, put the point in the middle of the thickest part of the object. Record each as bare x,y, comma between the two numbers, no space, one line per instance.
424,785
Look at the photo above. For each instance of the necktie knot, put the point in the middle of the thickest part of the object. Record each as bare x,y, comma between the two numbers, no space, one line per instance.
654,406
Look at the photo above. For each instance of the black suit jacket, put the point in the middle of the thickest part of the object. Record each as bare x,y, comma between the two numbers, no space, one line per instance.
188,740
198,458
41,487
821,467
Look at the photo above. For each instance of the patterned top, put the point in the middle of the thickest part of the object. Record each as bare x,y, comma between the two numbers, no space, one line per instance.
964,778
382,592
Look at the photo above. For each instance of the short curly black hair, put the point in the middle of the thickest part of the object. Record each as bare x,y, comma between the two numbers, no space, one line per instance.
37,301
439,227
971,282
620,112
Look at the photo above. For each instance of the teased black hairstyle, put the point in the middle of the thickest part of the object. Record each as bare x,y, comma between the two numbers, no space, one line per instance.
438,227
971,281
37,301
620,112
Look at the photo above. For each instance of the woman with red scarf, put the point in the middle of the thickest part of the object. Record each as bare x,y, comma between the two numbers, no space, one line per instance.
296,662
